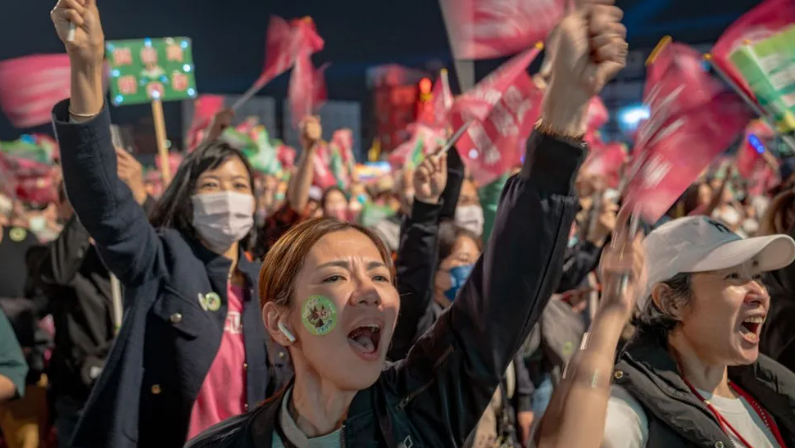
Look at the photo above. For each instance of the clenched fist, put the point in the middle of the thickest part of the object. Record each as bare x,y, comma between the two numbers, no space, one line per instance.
590,49
310,131
88,42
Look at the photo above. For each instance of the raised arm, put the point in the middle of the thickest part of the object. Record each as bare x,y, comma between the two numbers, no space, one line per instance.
451,373
417,256
104,204
298,191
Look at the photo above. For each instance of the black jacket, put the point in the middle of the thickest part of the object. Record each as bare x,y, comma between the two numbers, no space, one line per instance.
579,260
678,419
167,341
437,394
78,286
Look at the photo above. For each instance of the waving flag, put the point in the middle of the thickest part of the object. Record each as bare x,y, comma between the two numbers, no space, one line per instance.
484,29
307,90
205,108
757,54
435,112
692,120
502,109
606,160
287,41
423,142
31,85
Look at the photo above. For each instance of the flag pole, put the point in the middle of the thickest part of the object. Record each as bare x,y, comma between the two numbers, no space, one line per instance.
256,87
749,101
160,135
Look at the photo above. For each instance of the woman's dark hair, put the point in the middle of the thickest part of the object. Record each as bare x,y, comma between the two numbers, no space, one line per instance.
448,234
175,209
659,321
329,191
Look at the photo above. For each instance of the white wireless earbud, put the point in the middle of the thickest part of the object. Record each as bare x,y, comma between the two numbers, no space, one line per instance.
286,332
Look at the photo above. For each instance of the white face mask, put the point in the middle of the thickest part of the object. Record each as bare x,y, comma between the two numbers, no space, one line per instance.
222,219
470,217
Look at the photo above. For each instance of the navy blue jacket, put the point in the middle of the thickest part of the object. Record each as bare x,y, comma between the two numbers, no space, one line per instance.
167,342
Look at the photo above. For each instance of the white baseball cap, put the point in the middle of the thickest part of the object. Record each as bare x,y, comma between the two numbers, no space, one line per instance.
700,244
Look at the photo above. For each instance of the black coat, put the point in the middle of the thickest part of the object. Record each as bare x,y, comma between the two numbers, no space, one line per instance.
167,341
676,417
437,394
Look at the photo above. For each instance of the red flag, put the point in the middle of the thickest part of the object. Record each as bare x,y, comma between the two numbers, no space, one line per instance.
484,29
205,107
502,109
307,89
676,83
31,85
344,140
286,156
323,176
597,114
682,148
606,160
285,42
761,22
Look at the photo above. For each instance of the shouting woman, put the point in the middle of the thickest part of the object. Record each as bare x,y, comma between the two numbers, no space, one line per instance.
328,294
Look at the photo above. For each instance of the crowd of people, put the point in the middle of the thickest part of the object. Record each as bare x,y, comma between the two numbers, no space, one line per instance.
237,309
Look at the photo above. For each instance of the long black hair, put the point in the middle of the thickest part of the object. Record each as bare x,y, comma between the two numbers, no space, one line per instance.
175,209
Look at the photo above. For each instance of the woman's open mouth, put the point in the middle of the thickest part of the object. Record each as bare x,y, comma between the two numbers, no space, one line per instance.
364,340
750,328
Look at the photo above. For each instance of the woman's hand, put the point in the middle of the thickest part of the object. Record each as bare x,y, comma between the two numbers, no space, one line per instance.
624,258
221,120
590,50
87,46
310,131
430,178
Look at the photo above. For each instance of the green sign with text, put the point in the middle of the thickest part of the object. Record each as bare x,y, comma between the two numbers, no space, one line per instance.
142,70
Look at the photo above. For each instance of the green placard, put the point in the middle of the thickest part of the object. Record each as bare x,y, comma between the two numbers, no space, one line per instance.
145,69
767,65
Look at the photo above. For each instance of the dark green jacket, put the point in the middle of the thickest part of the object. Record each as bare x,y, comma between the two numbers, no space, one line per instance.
676,417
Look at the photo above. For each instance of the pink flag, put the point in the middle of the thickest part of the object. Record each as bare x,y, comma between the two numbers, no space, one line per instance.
484,29
502,109
344,140
307,90
205,107
597,114
31,85
606,160
286,156
681,149
285,42
761,22
323,176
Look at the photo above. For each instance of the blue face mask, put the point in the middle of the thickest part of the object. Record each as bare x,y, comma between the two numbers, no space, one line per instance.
458,276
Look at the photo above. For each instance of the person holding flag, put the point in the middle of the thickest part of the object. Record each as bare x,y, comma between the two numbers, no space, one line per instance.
328,293
191,350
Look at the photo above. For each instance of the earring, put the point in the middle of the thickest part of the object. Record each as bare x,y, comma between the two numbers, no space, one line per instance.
286,332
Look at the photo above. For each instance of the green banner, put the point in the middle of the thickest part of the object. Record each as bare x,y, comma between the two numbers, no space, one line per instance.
768,67
145,69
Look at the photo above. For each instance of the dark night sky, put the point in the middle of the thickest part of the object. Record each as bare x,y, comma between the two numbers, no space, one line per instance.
229,36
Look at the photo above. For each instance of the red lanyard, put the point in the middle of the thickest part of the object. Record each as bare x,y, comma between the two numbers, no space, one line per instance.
764,415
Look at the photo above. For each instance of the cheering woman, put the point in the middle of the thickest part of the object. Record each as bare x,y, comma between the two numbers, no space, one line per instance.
328,295
192,350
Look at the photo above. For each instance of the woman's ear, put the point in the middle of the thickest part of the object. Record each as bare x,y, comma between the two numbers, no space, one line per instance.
277,324
663,298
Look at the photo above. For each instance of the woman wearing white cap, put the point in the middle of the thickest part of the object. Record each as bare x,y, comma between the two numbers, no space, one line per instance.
692,375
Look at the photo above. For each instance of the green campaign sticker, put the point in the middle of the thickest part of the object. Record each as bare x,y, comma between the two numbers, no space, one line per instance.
319,315
568,348
17,234
212,301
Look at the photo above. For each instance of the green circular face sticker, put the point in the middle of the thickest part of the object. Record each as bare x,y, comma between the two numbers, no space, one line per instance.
319,315
212,301
17,234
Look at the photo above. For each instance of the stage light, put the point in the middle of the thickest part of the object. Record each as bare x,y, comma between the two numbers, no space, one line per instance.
633,115
425,86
